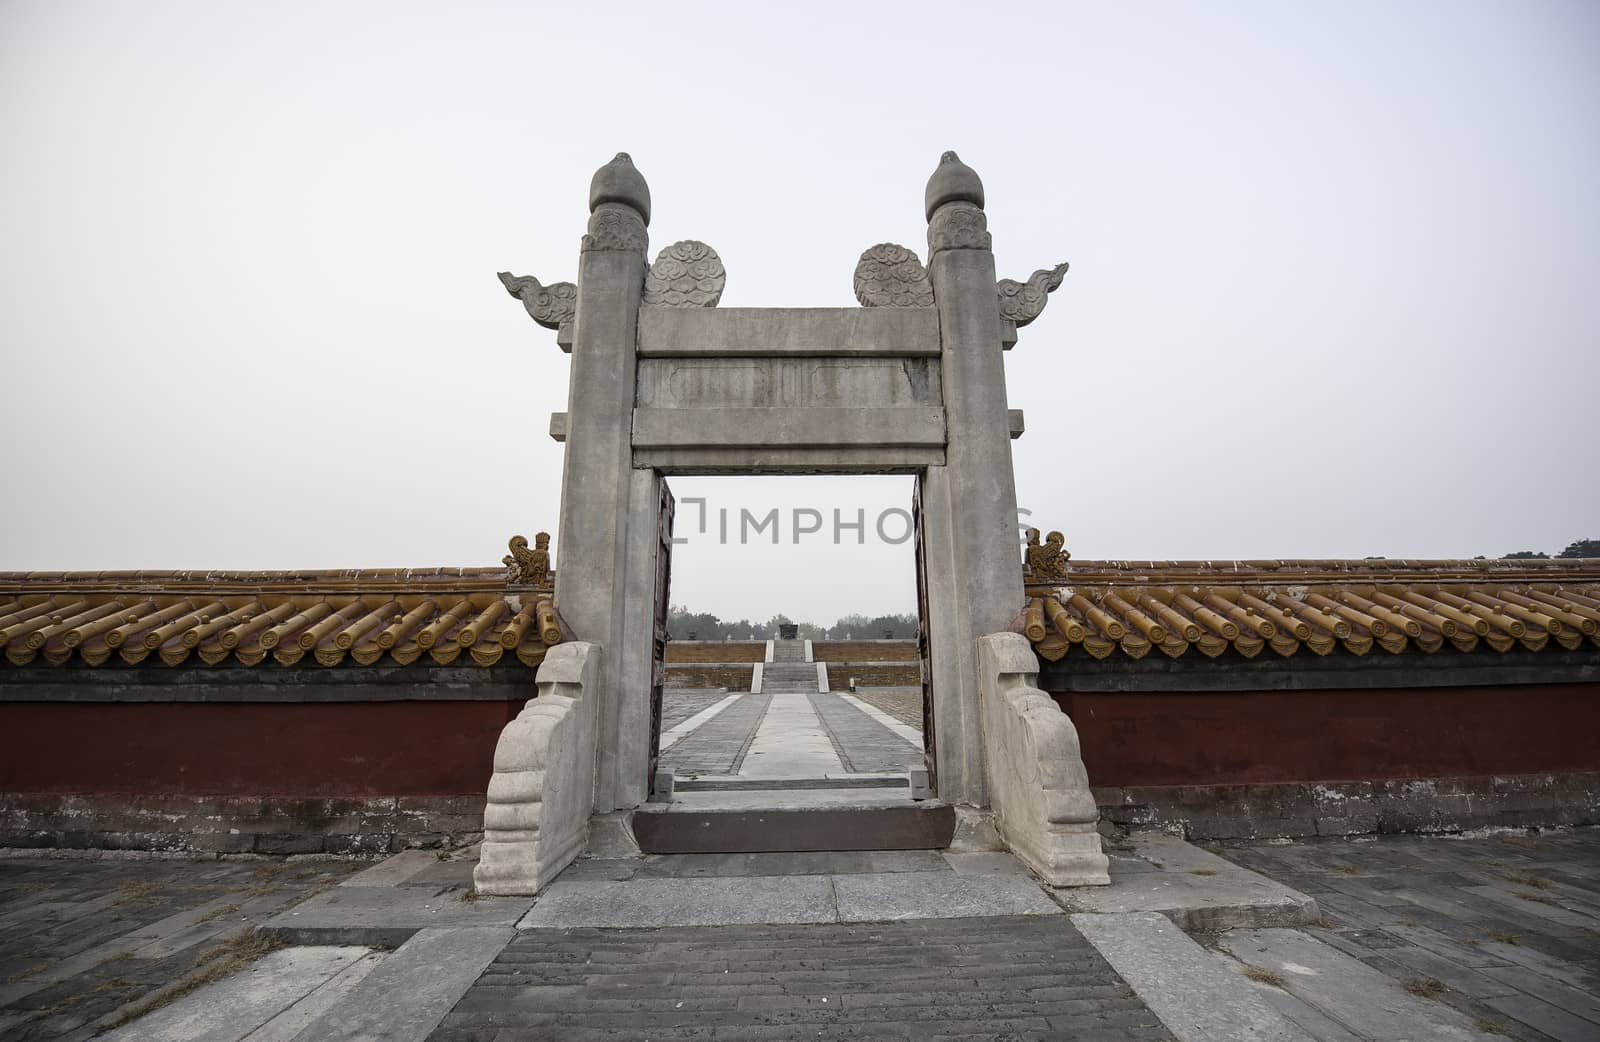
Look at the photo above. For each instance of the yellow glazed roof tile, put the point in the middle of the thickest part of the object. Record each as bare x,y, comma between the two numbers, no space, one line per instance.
1325,606
324,617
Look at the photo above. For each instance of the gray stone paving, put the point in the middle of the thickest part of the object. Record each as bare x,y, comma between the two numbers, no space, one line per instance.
81,938
863,744
1030,978
679,704
1503,931
719,746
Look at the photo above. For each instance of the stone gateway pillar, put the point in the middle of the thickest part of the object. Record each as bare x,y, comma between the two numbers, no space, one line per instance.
664,382
973,570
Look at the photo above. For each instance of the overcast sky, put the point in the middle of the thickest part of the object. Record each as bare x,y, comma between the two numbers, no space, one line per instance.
1333,286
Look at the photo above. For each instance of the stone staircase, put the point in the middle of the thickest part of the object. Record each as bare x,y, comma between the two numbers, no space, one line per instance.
789,673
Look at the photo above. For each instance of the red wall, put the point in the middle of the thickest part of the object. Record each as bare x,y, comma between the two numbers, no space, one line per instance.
1191,738
330,749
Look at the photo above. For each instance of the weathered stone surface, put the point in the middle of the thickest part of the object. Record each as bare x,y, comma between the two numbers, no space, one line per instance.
873,898
788,332
1195,996
891,276
235,1006
1196,889
687,274
542,792
684,902
406,996
1022,302
388,915
1037,783
1367,1002
1343,808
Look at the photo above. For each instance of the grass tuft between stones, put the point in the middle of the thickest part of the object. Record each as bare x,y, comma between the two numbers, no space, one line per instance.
223,960
1426,987
1264,976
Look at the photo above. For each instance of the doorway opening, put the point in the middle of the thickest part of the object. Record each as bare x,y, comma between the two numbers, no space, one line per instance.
793,674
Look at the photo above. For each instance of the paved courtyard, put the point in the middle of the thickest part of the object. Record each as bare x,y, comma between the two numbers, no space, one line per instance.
1482,938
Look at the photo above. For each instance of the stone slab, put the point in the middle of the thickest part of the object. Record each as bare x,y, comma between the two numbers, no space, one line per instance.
1196,997
394,870
791,741
672,736
1368,1003
389,915
986,863
292,1021
788,863
232,1008
865,825
1023,977
910,734
1194,888
871,430
880,898
787,332
406,996
684,902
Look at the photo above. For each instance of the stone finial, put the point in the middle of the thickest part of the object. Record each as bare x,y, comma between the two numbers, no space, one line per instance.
953,182
619,181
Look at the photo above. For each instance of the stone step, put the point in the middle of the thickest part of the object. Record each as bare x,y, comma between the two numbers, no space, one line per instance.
789,678
742,821
788,651
734,783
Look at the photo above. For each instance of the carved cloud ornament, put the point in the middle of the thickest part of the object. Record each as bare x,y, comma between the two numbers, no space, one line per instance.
687,274
891,276
549,305
1022,302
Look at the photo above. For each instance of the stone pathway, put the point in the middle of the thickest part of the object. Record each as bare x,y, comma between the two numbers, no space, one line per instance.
791,742
783,735
719,745
864,744
679,704
931,979
788,729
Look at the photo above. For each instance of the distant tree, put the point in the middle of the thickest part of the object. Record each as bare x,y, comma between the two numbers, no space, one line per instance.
1582,548
683,624
1527,555
849,626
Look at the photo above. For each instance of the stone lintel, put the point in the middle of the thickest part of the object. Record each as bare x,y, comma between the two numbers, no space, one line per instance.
779,460
792,332
758,428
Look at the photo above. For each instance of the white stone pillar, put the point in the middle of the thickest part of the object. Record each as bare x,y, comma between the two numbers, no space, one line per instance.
599,504
974,560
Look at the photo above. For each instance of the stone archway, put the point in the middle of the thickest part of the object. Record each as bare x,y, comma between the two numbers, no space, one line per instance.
663,381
